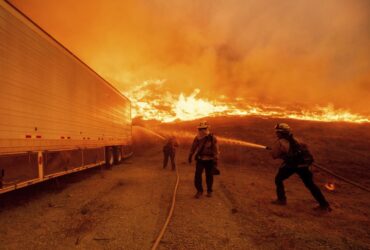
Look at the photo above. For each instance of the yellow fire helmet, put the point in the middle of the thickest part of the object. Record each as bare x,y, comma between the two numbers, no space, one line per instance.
203,125
283,128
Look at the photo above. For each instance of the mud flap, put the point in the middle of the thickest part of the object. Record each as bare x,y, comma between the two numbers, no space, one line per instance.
1,177
18,168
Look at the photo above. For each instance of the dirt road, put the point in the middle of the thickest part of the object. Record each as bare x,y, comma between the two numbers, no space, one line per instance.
124,208
205,223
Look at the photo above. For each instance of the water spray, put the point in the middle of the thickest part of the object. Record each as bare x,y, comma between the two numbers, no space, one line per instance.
151,132
222,140
241,143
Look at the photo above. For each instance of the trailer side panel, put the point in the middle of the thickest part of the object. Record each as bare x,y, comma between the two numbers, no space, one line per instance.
52,105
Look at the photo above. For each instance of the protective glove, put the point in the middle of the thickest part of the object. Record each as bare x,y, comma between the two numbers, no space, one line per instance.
190,159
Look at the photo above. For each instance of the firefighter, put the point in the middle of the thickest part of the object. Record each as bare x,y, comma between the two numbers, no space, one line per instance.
296,160
206,153
169,151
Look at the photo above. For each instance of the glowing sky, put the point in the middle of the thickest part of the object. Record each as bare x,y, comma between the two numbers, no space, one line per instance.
285,53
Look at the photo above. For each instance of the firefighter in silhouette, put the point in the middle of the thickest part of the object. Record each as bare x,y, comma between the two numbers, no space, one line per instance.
206,153
169,151
296,160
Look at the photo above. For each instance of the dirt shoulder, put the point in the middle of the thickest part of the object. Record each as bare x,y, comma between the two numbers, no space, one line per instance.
205,223
125,208
240,216
122,208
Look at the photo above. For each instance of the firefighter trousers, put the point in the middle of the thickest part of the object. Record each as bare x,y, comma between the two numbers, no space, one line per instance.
168,155
307,178
207,165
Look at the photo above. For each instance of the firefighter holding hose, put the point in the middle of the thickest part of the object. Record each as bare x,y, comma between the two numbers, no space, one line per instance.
296,160
206,152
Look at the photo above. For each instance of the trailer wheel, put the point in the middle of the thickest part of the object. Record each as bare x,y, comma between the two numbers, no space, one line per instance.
117,155
109,157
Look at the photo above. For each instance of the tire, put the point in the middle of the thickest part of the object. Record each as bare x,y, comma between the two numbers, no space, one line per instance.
117,155
109,157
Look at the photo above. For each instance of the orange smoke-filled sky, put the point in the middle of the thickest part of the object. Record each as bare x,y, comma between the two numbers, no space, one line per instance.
307,52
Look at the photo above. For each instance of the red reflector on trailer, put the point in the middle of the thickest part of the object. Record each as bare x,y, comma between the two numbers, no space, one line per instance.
68,137
38,136
40,160
28,136
62,137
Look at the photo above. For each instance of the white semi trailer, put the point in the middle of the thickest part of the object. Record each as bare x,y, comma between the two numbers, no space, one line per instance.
57,115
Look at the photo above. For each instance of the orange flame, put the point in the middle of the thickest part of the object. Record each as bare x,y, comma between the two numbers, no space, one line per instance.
330,186
168,107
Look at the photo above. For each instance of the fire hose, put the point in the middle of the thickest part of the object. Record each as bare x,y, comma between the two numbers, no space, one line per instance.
341,177
163,230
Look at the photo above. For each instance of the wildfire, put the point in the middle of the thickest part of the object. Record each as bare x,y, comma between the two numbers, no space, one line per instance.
330,186
190,108
329,114
150,102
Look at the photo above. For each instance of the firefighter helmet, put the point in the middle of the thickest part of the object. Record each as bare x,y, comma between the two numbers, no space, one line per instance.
203,125
283,128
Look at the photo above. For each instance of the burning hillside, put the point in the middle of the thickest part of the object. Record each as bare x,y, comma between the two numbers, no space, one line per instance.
294,59
151,101
247,66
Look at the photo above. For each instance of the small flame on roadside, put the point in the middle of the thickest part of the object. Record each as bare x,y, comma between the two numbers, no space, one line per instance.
168,107
330,186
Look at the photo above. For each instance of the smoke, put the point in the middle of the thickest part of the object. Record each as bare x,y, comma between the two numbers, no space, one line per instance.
273,52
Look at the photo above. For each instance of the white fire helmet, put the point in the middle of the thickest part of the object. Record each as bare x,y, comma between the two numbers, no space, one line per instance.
203,125
283,128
